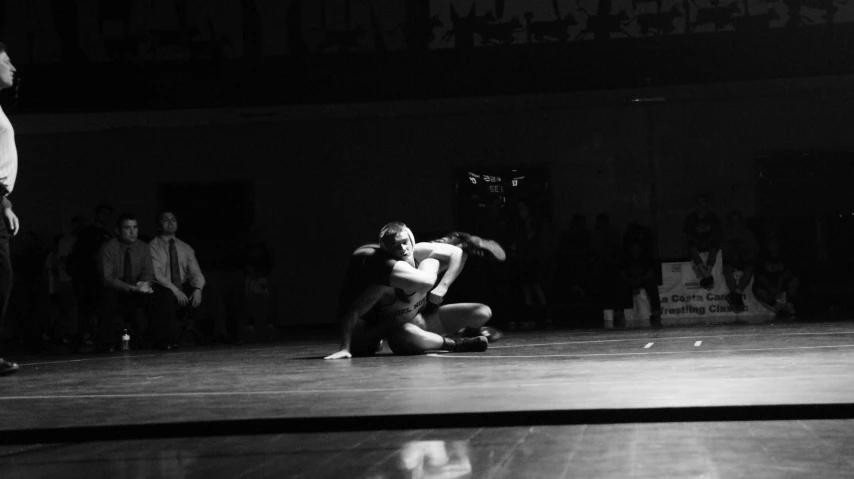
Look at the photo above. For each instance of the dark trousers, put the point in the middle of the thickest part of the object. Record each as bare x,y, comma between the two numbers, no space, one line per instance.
5,271
63,305
224,298
88,294
116,308
621,295
650,285
165,312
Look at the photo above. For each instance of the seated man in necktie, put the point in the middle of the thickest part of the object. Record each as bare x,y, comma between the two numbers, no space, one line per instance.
178,281
126,274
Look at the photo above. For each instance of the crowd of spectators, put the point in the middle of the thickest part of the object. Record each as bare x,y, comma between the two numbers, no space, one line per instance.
569,279
745,259
103,280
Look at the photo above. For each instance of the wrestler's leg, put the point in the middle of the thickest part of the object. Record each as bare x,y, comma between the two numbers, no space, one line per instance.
426,332
365,339
454,317
409,338
474,245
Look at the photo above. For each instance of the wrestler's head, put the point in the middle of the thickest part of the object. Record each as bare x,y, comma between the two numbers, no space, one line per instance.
398,241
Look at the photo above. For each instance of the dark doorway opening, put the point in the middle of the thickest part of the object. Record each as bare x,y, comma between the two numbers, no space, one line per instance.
213,217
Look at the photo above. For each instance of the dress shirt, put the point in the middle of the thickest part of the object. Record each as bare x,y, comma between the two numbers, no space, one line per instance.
112,258
188,266
8,155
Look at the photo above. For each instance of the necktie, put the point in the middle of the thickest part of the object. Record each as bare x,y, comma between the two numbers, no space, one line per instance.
128,273
175,273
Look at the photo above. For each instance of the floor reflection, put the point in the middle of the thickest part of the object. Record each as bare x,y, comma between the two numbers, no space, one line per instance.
172,464
430,460
118,460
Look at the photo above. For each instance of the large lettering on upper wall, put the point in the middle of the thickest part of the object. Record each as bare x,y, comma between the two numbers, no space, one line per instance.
53,31
503,22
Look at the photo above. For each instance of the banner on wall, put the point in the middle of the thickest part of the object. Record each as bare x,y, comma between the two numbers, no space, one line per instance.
683,297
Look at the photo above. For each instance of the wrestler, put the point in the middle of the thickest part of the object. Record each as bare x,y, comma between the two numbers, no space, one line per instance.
394,292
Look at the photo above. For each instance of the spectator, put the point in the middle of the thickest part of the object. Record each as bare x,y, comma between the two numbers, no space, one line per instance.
29,308
605,240
531,247
702,232
576,254
492,281
225,305
259,304
638,271
178,280
86,279
61,289
606,252
776,284
126,274
739,253
576,240
574,281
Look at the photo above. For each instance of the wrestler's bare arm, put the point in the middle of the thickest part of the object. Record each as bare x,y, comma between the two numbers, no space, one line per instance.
443,252
452,261
410,279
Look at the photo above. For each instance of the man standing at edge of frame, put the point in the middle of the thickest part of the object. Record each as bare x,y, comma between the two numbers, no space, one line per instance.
8,175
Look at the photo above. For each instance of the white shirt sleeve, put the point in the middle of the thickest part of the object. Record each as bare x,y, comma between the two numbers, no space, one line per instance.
8,154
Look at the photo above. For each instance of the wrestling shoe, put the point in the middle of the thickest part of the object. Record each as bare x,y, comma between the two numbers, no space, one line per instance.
475,245
471,345
485,247
7,368
491,334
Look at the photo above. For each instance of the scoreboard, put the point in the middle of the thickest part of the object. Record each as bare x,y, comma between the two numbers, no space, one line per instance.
486,195
489,190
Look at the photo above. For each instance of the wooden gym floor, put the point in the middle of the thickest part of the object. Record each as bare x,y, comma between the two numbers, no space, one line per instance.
758,401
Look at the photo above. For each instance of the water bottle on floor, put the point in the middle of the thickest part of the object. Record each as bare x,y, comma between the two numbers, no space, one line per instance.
125,340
